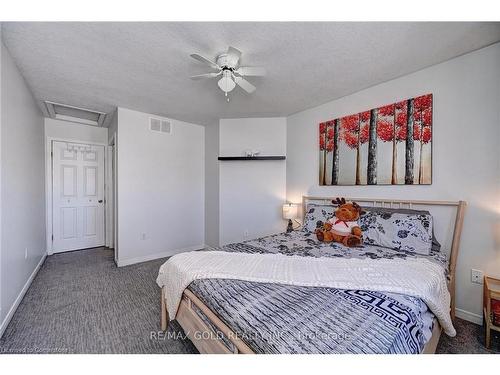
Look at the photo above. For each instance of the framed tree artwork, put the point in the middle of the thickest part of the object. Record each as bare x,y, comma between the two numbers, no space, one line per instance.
389,145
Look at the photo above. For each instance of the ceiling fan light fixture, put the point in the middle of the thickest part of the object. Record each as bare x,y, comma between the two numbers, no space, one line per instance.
227,65
226,83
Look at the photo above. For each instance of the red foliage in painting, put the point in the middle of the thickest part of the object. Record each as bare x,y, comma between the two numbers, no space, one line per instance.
321,141
322,136
330,132
350,123
350,129
427,117
351,139
422,102
401,133
416,132
387,110
385,130
426,134
401,119
329,146
326,134
416,115
401,124
364,116
401,106
364,133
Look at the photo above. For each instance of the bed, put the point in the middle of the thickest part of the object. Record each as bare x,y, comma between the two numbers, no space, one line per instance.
252,315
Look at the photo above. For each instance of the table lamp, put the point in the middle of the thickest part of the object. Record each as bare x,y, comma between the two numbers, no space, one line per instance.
289,213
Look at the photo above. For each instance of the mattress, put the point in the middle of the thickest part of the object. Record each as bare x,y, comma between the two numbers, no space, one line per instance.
275,318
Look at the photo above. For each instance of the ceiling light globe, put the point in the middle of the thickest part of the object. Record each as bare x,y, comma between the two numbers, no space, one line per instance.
226,83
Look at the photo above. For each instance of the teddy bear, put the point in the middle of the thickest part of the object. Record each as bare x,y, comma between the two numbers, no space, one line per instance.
325,232
343,227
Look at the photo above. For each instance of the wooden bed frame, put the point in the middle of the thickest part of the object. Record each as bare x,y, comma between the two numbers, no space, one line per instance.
207,342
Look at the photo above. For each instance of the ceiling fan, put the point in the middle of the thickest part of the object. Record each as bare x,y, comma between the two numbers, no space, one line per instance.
227,66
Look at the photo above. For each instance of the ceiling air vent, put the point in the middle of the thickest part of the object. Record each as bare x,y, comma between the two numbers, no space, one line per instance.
74,114
160,125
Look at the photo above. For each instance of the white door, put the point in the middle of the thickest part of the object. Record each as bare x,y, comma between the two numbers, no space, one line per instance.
77,196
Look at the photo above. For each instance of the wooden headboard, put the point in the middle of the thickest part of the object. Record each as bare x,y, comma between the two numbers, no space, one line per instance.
402,203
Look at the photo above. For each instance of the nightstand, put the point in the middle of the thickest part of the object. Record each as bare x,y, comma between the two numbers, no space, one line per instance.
491,290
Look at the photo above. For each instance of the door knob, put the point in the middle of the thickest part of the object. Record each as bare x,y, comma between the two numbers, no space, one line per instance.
100,200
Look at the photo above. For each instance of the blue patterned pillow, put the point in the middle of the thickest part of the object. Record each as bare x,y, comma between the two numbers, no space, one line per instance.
436,246
316,215
400,231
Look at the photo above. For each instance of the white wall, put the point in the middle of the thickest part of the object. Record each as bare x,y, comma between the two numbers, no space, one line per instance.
160,188
113,126
466,156
251,192
75,132
22,187
212,185
2,327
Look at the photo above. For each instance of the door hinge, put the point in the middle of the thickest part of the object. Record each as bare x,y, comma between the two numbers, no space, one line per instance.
52,238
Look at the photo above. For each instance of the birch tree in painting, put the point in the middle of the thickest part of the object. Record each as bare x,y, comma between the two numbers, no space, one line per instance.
362,156
326,146
322,153
424,106
417,135
335,147
385,141
372,149
409,143
330,148
399,144
350,137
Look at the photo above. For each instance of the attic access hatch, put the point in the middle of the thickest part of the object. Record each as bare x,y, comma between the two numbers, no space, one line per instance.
75,114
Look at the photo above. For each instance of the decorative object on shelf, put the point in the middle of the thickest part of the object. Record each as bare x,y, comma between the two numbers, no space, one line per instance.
250,153
491,306
389,145
290,213
251,158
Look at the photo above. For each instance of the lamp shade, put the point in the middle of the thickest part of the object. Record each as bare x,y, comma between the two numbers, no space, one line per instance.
289,211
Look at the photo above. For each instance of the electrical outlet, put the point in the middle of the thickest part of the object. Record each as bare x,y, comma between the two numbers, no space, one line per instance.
476,276
245,233
26,253
143,236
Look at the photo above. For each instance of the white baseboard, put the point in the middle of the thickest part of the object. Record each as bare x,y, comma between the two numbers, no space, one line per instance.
470,317
164,254
19,298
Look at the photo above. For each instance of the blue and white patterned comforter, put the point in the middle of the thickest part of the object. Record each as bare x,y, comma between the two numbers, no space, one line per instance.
276,318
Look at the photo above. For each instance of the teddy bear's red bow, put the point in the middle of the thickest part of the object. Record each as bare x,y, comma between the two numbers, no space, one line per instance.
341,221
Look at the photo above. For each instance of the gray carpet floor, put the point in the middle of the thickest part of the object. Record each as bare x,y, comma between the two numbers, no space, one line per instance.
80,302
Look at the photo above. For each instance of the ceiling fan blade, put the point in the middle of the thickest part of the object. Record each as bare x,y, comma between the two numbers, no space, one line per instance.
251,71
244,84
233,56
204,60
206,75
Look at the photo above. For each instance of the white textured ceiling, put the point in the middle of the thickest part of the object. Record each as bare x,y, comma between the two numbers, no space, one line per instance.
146,66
